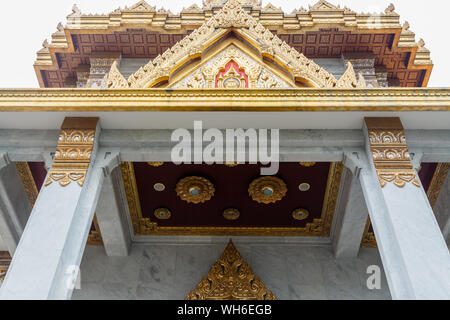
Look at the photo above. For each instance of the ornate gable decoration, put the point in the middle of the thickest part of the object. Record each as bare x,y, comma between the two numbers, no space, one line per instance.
231,278
232,15
231,69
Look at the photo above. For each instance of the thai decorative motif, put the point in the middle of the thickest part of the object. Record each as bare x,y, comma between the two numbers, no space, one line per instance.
73,153
162,213
196,82
232,64
390,152
233,15
155,164
231,278
195,189
307,164
267,189
231,214
437,182
300,214
115,79
209,4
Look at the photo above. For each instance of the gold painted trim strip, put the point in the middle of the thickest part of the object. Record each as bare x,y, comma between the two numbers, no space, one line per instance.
28,181
242,100
438,180
320,227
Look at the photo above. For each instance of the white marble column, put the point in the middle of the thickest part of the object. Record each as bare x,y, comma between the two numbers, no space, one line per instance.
53,242
351,215
112,212
15,206
414,254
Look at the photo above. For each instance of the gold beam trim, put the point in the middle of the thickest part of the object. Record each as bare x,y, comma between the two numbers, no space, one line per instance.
319,227
240,100
231,278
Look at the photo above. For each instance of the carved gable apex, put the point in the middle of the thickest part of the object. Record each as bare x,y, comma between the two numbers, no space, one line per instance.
142,6
323,5
233,18
270,8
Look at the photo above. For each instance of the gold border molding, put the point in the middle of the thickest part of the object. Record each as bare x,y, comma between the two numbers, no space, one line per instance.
239,100
231,278
319,227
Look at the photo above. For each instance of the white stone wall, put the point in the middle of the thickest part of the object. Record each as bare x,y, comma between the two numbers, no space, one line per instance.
156,271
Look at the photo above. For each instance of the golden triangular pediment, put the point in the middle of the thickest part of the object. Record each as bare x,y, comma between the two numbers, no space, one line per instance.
232,21
231,66
231,278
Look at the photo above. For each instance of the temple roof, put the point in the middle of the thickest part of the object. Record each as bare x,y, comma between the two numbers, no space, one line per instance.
324,30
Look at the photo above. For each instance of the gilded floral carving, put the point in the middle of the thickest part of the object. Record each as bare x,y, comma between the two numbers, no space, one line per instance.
267,189
73,153
195,189
390,153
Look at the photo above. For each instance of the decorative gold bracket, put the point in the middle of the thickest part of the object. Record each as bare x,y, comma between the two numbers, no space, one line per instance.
73,153
390,153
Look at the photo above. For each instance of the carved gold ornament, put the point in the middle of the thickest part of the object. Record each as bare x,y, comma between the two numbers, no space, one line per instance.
390,153
155,164
307,164
267,190
237,59
231,278
195,189
73,153
162,213
300,214
231,214
231,164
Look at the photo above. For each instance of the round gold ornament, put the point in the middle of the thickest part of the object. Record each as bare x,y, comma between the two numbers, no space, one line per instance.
195,189
300,214
162,213
267,190
231,214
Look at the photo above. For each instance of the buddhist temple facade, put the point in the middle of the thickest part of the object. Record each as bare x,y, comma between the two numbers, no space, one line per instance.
117,179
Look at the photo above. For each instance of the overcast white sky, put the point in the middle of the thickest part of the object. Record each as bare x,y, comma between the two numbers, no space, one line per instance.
25,24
